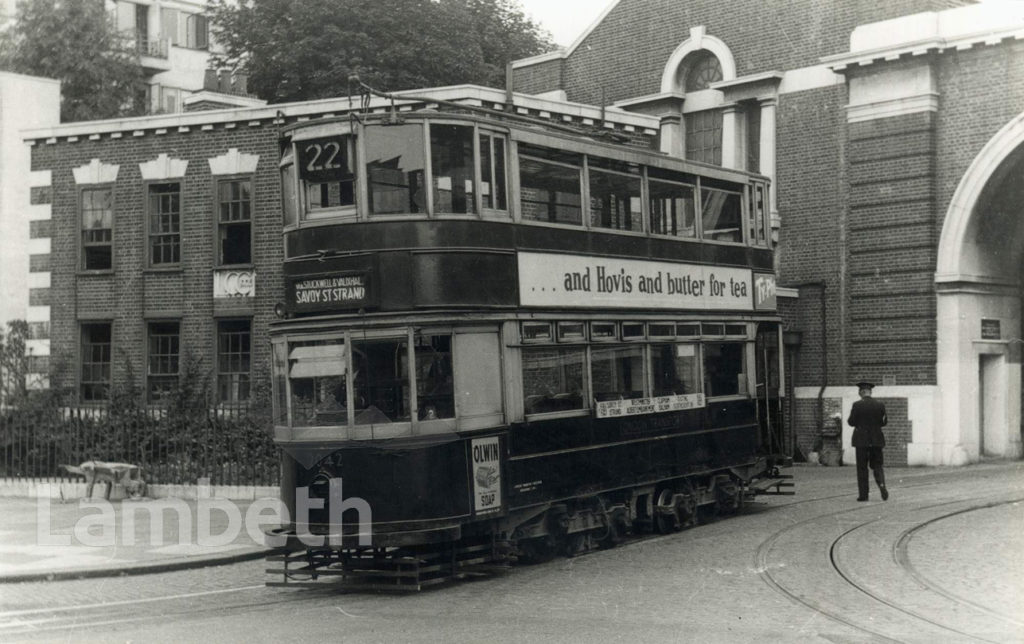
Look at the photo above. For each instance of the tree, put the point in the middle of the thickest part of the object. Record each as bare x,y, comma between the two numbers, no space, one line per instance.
76,42
306,49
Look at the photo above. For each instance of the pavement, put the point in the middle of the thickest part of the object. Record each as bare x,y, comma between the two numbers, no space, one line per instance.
47,539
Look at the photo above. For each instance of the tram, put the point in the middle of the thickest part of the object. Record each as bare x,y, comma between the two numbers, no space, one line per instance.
507,338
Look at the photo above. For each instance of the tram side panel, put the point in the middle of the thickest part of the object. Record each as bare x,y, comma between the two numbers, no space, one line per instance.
630,452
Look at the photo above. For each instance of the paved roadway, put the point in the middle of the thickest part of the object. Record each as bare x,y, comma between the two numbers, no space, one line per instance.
941,561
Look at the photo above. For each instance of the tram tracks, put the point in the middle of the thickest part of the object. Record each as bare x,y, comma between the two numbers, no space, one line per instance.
881,616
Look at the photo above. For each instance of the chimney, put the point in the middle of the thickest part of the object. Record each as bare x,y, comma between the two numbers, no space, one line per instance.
241,83
225,81
210,82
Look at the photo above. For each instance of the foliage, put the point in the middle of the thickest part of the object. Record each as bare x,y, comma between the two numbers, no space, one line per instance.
77,43
179,442
13,363
306,49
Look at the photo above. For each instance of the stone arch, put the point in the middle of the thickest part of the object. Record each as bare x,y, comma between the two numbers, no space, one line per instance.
975,281
697,41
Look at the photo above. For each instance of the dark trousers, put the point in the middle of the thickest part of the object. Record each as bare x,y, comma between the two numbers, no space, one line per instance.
869,456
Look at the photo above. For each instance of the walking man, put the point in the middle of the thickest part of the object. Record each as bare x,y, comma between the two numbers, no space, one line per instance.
867,417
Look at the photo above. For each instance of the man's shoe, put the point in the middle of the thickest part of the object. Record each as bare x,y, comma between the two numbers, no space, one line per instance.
885,492
862,498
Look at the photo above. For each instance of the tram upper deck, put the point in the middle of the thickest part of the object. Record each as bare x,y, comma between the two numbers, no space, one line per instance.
456,271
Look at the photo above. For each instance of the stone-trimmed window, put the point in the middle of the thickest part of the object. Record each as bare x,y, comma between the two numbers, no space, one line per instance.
702,69
234,360
95,357
234,221
163,360
164,223
704,136
97,220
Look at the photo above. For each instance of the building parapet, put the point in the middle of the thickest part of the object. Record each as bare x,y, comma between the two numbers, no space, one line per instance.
567,112
987,23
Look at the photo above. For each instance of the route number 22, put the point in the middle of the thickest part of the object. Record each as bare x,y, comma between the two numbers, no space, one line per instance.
323,156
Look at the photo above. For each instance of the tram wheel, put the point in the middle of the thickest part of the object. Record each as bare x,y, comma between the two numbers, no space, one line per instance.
665,523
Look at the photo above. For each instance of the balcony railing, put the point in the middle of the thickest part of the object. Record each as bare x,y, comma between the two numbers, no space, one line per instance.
152,48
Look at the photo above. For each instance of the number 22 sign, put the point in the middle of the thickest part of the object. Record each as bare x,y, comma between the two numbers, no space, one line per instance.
324,159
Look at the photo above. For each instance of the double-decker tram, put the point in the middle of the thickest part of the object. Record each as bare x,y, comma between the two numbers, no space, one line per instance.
504,338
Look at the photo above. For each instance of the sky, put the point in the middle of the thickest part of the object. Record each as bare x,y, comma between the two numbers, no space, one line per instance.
565,19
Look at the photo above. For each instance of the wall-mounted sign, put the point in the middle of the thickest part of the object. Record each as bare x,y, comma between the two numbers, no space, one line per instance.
485,456
547,279
638,406
332,291
234,283
990,329
764,292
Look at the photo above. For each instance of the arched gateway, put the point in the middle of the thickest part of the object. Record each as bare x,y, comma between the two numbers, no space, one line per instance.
979,282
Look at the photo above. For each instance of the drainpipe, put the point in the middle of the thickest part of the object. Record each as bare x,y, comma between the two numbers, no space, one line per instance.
820,285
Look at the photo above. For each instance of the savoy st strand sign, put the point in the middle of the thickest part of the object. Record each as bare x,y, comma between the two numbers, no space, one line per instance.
547,279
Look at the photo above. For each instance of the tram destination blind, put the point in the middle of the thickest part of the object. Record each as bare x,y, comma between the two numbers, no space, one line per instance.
329,291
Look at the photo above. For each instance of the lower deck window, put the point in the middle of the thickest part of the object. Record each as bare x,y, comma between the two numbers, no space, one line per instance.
318,382
381,382
675,368
553,379
723,368
434,378
618,373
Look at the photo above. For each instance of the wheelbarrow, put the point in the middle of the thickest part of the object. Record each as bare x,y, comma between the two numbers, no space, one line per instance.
125,475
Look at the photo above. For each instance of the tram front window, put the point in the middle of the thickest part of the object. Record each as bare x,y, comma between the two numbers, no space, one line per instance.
318,382
395,167
553,379
617,372
435,395
676,369
326,167
451,164
380,380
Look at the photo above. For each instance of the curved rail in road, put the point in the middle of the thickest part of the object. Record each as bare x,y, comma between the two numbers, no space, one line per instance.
892,606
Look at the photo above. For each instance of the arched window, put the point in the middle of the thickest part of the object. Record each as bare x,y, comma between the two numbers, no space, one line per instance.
701,69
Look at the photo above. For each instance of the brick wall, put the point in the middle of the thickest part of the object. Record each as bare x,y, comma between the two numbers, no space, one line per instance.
626,53
891,249
131,293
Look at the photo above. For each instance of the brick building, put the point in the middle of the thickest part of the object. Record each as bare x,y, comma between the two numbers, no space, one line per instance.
892,131
165,237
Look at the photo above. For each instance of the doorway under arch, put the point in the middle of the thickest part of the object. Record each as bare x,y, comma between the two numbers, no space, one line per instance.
979,285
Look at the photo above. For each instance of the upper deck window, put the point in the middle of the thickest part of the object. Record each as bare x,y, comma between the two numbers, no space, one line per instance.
451,164
672,205
721,215
327,170
615,196
550,187
493,183
395,167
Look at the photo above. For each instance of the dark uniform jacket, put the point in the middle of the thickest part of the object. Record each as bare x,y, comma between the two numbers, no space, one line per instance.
867,417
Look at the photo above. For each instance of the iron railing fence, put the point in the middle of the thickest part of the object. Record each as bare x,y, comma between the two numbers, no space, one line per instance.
226,446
